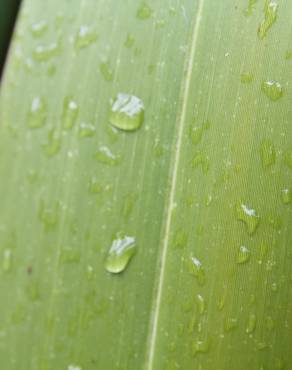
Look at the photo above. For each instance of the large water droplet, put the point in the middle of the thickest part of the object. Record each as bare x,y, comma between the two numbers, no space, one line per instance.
270,10
230,323
37,29
243,255
7,260
251,323
44,52
85,36
86,129
268,153
144,11
53,145
288,158
198,270
286,195
121,251
249,216
106,71
105,156
127,112
70,113
272,89
38,113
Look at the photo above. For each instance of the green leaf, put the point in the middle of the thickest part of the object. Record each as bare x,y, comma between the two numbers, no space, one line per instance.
145,165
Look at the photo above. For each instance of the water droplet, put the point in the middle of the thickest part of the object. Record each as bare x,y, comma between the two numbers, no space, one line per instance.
106,71
230,323
86,129
200,346
268,153
89,272
249,216
243,255
270,10
74,367
94,186
269,323
130,40
48,215
196,132
44,52
144,11
246,77
200,159
121,251
38,113
128,204
53,145
37,29
105,156
274,287
197,270
180,239
250,7
127,112
286,195
70,113
251,323
7,260
85,36
200,304
70,255
272,89
288,158
288,54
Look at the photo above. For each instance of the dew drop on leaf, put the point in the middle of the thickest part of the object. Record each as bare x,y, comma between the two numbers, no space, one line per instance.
249,216
270,16
201,304
200,346
230,323
37,113
44,52
85,36
251,323
272,89
246,77
127,112
38,29
106,71
53,144
197,270
7,260
86,129
120,253
105,156
243,255
268,153
288,158
70,113
286,195
144,11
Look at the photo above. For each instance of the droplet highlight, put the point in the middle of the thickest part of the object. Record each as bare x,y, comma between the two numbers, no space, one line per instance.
248,216
85,36
70,113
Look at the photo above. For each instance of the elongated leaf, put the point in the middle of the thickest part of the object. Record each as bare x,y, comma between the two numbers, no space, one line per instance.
162,248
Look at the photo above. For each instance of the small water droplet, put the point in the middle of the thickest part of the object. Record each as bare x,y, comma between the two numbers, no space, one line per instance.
74,367
70,112
86,129
272,89
200,346
230,323
130,40
37,113
288,54
89,272
200,159
106,71
127,112
250,7
37,29
243,255
44,52
274,287
270,16
144,11
267,153
105,156
94,186
286,195
121,251
251,323
53,145
246,77
248,216
7,260
288,158
201,304
85,36
197,270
